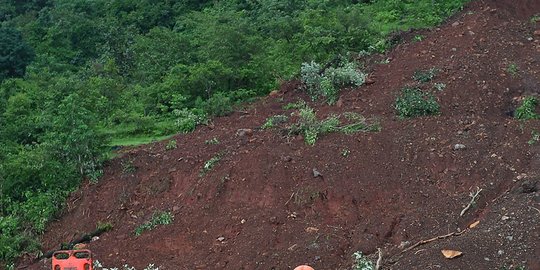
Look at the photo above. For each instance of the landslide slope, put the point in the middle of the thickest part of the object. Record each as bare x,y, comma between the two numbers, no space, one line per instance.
261,207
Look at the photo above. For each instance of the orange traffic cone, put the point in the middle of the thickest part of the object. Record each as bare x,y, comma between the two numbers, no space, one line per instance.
303,267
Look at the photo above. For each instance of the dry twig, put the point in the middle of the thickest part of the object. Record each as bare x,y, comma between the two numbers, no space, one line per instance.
379,260
473,196
287,202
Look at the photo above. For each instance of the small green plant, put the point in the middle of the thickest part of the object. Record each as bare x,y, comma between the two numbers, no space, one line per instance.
345,152
158,218
275,120
127,166
212,141
171,145
439,86
296,105
535,137
527,109
513,69
535,18
418,38
385,61
361,262
413,102
424,76
209,164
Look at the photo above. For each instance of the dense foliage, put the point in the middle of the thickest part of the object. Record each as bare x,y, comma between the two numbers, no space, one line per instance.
74,73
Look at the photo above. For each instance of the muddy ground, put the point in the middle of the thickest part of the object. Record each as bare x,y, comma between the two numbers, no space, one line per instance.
262,206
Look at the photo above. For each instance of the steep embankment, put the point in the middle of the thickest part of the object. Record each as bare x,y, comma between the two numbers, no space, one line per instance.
260,206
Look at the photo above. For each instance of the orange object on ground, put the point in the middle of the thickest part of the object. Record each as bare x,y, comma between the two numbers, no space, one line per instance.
303,267
72,260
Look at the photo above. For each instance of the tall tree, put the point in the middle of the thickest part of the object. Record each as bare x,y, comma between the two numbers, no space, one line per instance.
15,54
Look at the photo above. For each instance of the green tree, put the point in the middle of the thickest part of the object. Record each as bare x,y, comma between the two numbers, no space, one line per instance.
73,138
15,53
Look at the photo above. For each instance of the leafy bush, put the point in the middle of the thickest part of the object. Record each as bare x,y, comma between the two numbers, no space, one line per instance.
187,120
527,110
311,77
158,218
327,83
346,75
218,105
413,102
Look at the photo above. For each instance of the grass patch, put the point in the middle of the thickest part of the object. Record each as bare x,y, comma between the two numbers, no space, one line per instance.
527,109
413,102
137,140
158,218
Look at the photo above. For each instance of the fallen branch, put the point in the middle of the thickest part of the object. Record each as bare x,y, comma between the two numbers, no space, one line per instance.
473,196
423,242
379,260
84,238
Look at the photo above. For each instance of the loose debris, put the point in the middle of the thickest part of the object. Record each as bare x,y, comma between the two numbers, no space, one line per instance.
450,254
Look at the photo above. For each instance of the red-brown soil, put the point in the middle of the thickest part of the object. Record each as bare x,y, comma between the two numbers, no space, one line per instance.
398,186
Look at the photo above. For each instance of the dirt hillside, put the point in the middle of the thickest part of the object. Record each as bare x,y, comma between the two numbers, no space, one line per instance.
273,202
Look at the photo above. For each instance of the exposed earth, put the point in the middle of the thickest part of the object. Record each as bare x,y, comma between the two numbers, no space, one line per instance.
274,202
